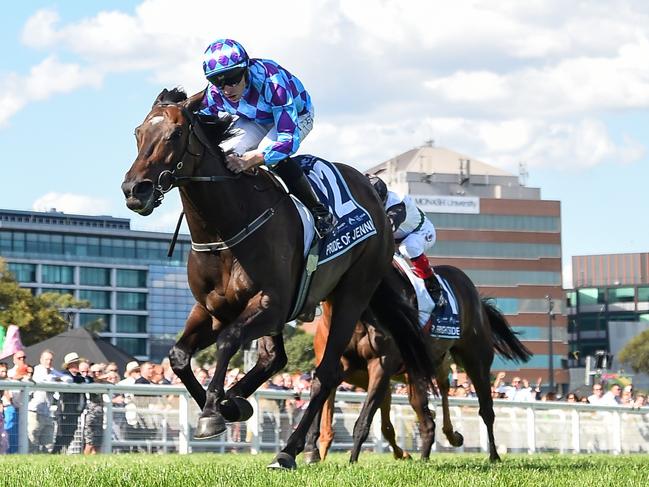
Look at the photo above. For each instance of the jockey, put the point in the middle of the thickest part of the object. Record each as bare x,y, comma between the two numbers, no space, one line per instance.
272,115
414,233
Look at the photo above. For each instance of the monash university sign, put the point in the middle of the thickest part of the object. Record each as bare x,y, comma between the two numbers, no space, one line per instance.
447,204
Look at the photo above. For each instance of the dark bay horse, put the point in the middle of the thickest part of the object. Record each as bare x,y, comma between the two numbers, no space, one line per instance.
371,358
245,285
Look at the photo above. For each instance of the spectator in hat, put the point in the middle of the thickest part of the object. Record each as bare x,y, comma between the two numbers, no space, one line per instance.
71,404
131,374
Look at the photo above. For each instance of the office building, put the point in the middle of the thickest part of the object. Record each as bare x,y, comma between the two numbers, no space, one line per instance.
503,235
138,297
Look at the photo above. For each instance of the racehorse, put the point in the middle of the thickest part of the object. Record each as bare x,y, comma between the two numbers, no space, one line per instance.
245,284
372,358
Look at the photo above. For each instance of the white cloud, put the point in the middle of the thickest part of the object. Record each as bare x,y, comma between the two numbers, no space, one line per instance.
44,80
506,81
72,203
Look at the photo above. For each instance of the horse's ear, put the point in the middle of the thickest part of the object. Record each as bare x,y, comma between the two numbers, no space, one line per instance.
194,102
163,94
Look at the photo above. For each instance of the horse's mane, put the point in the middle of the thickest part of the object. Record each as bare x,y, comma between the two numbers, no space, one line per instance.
216,128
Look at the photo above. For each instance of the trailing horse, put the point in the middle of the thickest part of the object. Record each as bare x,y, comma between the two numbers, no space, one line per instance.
371,358
246,265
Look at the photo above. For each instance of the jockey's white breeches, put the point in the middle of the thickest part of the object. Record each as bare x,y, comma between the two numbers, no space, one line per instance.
250,135
418,242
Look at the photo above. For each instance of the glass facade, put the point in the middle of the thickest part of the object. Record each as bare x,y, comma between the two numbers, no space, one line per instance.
129,250
97,299
23,272
94,276
600,314
131,301
57,274
99,323
481,277
457,248
131,278
496,222
130,323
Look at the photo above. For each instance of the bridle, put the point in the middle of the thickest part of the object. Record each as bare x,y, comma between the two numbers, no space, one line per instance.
169,179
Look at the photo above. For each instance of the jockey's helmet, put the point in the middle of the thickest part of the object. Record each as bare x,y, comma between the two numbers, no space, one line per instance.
222,56
380,187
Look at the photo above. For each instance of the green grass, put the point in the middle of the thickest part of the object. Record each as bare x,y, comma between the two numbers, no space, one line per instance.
449,470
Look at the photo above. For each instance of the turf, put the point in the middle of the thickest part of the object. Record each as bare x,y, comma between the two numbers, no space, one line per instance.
135,470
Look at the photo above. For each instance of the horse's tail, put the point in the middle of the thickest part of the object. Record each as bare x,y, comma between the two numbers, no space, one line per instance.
505,341
395,314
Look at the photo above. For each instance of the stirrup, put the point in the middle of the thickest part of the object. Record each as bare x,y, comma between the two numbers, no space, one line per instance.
324,224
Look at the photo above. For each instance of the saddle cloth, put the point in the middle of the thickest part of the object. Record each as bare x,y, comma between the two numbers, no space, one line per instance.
444,323
354,223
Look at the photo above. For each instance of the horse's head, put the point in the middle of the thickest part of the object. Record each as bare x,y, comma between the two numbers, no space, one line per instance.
170,144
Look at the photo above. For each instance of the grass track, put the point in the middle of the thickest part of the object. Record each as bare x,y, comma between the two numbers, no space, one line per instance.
372,470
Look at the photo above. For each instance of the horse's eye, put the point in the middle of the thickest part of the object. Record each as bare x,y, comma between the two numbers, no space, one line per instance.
175,134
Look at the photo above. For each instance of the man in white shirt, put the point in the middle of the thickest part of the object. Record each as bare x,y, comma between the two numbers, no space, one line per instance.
40,421
596,396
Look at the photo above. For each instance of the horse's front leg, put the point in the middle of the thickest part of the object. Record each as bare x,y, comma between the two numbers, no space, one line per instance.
271,358
197,335
258,317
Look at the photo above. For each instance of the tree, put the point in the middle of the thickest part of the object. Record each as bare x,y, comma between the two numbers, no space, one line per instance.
636,353
38,317
299,350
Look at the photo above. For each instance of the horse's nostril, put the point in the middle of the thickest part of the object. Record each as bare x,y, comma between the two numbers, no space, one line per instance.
143,189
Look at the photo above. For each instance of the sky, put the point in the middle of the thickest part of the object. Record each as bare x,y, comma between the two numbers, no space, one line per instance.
561,87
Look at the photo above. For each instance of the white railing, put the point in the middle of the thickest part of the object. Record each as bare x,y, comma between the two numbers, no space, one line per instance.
162,418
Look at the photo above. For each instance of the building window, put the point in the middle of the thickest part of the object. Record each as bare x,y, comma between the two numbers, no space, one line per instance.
94,276
621,295
98,299
588,296
132,346
131,278
23,272
643,293
130,324
57,274
99,323
58,290
485,221
133,301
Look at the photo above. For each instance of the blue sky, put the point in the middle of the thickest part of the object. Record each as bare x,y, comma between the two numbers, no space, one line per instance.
563,89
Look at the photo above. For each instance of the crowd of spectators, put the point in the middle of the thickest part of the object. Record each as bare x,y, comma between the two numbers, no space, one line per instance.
54,419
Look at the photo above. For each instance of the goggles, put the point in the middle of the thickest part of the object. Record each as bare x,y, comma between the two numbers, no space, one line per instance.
229,78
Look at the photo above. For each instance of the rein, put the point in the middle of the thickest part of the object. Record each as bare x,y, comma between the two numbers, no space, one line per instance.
167,180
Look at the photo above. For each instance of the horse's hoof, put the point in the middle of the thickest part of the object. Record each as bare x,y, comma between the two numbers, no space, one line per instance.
236,409
283,461
312,457
209,427
405,456
458,440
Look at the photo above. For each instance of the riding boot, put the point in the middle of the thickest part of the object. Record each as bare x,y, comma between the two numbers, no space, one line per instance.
435,290
296,182
423,270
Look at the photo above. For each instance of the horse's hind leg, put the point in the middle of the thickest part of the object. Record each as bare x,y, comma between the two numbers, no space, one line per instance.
349,300
453,437
418,396
326,434
477,369
387,428
378,385
197,335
